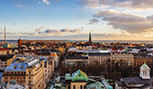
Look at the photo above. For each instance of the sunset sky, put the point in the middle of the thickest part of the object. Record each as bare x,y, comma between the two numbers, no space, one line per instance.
74,19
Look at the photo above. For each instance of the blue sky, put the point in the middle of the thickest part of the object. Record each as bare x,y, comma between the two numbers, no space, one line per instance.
110,20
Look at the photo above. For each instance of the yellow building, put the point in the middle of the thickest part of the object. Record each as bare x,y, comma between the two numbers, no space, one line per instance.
27,73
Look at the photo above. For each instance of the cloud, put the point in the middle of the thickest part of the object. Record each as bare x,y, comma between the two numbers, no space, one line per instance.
93,21
134,4
39,29
46,2
132,23
104,13
64,30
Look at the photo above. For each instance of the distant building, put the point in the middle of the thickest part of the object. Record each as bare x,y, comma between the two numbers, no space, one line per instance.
125,58
6,60
5,51
139,60
101,58
19,43
144,81
80,80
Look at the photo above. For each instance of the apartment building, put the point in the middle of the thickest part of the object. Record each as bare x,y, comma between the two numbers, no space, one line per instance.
26,73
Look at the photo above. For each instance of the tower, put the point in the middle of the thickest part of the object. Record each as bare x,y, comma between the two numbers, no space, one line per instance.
19,43
90,39
145,71
4,34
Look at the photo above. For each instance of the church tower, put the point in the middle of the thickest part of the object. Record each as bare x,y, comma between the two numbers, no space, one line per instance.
90,39
145,71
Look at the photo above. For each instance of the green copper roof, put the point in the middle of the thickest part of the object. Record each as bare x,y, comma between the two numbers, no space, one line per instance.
96,85
145,66
79,76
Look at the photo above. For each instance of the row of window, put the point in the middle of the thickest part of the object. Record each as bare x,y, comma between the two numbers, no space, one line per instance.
15,72
17,78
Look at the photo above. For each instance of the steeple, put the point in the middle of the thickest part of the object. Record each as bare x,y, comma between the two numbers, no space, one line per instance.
90,39
145,71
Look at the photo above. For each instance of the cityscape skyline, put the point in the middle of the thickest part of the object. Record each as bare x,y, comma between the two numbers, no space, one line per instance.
73,20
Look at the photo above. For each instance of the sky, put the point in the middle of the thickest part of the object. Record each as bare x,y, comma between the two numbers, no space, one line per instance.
74,19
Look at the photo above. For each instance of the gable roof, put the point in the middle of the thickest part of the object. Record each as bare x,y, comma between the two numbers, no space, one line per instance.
79,75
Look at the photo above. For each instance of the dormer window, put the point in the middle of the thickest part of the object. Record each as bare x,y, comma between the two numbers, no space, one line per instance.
14,67
21,67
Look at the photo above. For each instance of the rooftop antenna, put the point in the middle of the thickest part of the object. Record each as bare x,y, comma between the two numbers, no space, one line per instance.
4,34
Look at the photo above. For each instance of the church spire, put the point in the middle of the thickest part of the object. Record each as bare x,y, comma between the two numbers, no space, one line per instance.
90,39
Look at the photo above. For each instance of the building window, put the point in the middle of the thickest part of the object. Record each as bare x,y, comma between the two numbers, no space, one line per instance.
14,77
21,67
29,77
29,72
11,77
20,82
5,77
29,82
20,77
81,87
14,67
69,87
73,86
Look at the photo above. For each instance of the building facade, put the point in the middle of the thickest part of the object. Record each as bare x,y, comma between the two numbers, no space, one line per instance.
26,73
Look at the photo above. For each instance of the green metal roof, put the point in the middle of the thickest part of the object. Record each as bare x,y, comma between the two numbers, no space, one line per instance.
96,85
79,76
145,66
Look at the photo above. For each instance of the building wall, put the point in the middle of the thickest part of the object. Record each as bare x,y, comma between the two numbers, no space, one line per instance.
78,85
127,58
9,61
35,77
138,61
6,63
20,77
73,61
99,59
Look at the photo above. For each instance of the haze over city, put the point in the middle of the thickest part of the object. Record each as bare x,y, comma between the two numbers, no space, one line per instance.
74,19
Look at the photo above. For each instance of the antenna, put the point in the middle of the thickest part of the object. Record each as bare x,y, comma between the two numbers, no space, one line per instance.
4,34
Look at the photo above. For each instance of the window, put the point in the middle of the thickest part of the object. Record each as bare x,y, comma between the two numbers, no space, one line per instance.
11,77
21,82
29,77
29,72
73,86
21,67
23,77
69,87
14,77
14,67
81,87
5,77
20,77
29,82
